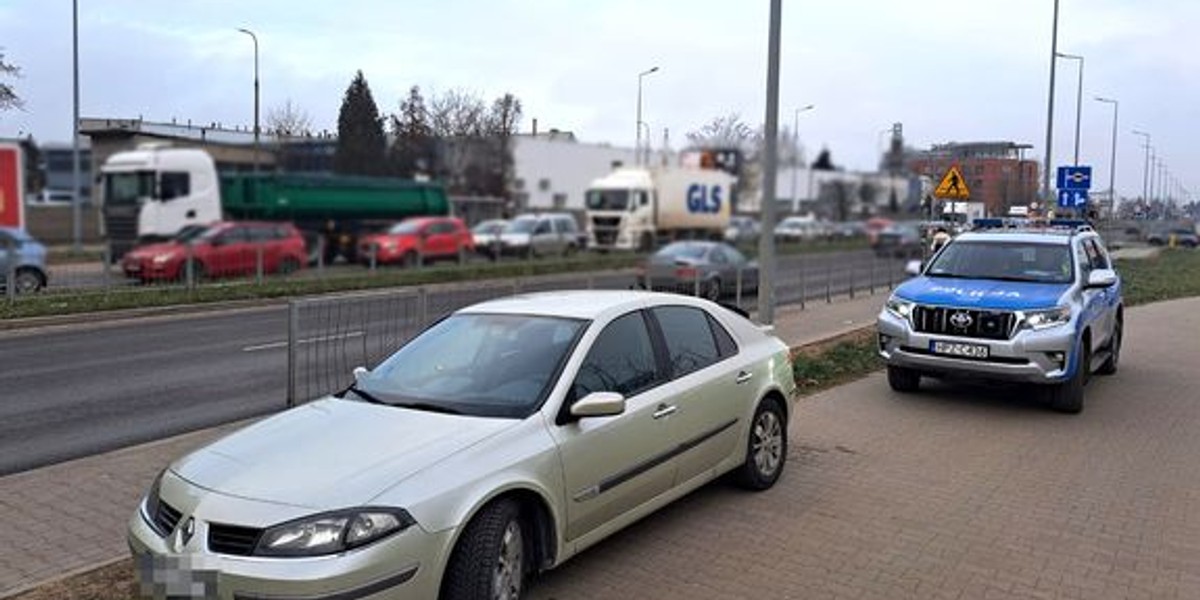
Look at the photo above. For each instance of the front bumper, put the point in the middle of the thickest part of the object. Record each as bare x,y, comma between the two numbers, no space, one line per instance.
405,565
1028,357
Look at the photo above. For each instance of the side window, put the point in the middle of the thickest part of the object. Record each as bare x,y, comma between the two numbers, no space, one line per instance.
174,185
719,257
543,227
1099,256
725,344
735,257
1083,260
690,342
620,360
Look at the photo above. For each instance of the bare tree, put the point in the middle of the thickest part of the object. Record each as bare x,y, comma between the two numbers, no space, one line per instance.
288,120
457,113
8,95
728,131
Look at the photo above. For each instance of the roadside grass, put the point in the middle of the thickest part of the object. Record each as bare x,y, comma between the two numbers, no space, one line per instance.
836,361
1174,273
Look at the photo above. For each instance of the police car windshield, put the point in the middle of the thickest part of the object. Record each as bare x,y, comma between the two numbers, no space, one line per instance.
1005,261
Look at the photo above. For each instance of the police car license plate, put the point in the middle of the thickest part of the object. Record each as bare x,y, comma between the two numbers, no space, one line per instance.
959,349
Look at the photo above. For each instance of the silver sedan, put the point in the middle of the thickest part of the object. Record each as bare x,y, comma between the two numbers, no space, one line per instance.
500,442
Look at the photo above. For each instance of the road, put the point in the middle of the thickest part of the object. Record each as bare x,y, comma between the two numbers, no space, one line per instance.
956,492
72,392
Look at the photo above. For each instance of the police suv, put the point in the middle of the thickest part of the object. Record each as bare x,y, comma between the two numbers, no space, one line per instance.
1009,302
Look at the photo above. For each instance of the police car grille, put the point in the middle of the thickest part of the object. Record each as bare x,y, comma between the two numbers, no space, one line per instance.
983,324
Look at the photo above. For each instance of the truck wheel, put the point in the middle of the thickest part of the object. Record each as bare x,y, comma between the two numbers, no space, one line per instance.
1067,397
903,380
1114,351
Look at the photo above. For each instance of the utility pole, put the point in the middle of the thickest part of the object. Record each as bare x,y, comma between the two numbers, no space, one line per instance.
637,150
766,241
1146,166
1078,100
1050,109
1112,158
77,178
256,127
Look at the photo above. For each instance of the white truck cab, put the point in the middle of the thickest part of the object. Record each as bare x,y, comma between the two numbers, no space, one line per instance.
635,208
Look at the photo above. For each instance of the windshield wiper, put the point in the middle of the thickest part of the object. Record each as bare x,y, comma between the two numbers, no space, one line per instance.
364,395
948,275
429,407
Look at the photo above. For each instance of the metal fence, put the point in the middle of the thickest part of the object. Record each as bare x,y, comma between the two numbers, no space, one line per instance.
329,336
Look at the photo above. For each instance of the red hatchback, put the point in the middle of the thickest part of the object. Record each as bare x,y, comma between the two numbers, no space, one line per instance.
220,250
424,238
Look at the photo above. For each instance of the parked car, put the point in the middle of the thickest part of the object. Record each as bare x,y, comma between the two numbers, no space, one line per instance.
486,234
799,229
543,234
227,249
899,240
1183,237
25,258
742,230
419,239
715,266
849,230
49,197
498,443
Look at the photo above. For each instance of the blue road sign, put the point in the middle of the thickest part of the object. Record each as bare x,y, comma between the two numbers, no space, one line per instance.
1072,198
1074,178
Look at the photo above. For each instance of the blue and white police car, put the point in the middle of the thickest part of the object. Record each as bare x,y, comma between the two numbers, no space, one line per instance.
1024,304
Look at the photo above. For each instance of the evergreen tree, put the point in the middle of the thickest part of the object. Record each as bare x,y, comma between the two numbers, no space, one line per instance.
412,150
824,161
361,147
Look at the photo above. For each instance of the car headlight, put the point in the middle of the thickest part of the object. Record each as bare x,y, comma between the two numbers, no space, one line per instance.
161,258
330,533
900,307
1045,319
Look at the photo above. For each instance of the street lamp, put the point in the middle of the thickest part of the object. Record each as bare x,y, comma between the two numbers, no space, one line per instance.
1050,108
256,128
1112,160
638,146
796,150
1078,99
1145,167
76,177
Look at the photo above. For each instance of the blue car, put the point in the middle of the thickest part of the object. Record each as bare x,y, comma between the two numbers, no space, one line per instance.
25,258
1026,305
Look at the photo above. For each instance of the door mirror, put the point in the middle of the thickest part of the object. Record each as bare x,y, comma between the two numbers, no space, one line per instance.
359,374
1102,278
913,267
599,404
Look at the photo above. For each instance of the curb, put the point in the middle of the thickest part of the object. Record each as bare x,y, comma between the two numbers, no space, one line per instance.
61,577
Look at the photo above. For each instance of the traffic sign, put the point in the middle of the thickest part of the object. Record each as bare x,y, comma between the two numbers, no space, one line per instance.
12,193
1074,178
953,186
1072,198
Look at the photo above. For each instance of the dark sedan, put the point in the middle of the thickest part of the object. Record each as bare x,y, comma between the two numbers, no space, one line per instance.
715,269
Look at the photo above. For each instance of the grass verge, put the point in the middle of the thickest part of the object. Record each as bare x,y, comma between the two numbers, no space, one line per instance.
839,360
1174,273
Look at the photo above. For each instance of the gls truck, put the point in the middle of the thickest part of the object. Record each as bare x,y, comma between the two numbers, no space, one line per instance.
153,192
638,209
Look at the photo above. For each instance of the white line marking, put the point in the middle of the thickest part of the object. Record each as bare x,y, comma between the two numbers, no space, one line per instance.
283,344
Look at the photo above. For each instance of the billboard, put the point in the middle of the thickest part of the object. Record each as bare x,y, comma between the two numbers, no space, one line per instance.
12,190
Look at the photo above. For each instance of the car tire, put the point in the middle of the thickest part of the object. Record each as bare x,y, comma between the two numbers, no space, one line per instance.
289,266
1067,397
766,447
1114,351
27,281
712,290
489,560
905,381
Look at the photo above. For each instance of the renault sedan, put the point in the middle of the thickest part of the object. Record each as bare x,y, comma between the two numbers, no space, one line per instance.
498,443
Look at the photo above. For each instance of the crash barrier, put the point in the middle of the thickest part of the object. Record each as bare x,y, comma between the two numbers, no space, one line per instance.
329,336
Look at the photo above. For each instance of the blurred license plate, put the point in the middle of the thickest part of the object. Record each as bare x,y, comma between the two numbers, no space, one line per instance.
958,349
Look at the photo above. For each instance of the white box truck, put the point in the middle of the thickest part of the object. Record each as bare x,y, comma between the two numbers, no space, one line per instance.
638,209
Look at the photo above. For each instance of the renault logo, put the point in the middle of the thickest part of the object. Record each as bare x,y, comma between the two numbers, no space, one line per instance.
961,320
184,534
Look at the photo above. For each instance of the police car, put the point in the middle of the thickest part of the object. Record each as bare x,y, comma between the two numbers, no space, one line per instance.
1023,303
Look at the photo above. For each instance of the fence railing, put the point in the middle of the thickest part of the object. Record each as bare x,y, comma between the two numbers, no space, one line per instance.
329,336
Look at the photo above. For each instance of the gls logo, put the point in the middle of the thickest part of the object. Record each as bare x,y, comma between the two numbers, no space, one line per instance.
703,199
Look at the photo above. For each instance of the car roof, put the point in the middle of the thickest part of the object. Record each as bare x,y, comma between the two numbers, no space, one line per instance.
1048,236
577,304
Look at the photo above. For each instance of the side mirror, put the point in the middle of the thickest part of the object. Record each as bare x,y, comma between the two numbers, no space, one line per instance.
360,373
1102,278
599,404
913,267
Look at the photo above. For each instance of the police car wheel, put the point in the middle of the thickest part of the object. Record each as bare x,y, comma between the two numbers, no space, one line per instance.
1067,397
903,380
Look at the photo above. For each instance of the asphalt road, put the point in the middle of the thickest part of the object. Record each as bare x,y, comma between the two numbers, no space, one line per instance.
76,391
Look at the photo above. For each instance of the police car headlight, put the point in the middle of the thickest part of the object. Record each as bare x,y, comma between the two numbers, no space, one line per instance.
1045,319
900,307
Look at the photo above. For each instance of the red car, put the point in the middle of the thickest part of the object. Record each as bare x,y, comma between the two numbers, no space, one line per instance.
220,250
427,238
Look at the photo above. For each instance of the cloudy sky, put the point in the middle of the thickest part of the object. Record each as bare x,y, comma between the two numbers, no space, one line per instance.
948,70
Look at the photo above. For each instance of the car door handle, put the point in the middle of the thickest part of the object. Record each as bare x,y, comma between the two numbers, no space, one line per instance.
743,377
665,410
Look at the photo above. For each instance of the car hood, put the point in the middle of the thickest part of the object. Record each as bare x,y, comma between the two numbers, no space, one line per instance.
982,293
155,250
332,453
381,238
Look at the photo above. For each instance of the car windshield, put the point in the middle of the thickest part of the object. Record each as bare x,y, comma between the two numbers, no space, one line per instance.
608,199
128,187
489,227
405,228
190,233
486,365
521,226
684,250
1008,261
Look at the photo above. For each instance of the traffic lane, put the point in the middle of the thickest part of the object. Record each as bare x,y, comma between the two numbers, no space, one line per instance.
958,491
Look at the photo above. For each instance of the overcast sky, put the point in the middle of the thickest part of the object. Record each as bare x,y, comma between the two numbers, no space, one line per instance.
948,70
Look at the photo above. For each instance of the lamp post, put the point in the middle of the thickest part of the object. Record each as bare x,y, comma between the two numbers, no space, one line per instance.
1112,160
1078,99
1145,167
766,241
77,179
637,149
795,149
256,128
1050,108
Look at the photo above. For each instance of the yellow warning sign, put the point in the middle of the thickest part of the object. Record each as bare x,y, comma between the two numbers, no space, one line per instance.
953,186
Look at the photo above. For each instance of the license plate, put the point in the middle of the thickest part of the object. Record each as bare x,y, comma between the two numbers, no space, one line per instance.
959,349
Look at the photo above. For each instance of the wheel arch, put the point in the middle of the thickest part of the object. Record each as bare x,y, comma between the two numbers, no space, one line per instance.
536,513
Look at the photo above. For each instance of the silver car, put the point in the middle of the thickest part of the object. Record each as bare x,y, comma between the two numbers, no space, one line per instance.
500,442
548,234
23,257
